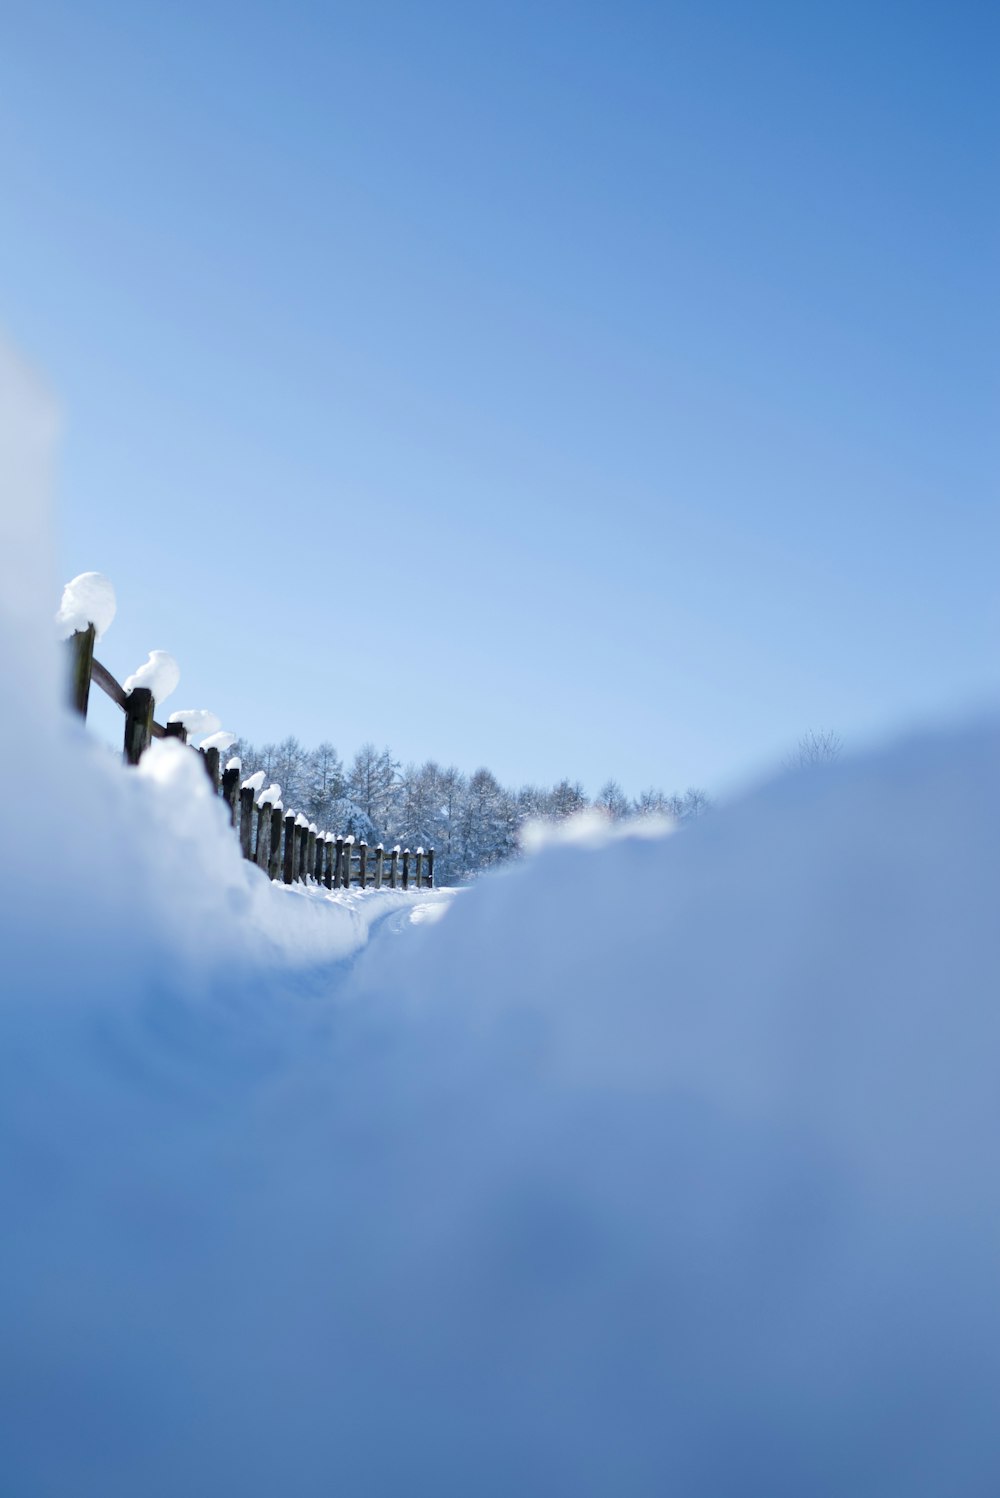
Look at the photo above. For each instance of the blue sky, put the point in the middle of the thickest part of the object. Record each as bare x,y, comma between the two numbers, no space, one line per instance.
577,389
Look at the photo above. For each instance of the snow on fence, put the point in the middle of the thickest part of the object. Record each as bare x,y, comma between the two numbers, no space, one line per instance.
284,844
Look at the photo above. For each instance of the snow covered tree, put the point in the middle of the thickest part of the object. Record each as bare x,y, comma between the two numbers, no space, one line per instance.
324,783
612,800
565,800
652,802
287,765
371,784
489,823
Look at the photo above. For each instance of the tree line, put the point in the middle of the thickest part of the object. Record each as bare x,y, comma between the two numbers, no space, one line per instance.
472,821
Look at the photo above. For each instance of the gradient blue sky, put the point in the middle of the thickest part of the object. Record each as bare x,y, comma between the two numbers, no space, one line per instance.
577,389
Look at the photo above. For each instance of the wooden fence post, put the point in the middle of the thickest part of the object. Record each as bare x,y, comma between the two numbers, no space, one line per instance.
393,865
310,854
379,861
175,731
138,723
406,868
420,867
274,857
81,665
301,845
430,868
328,860
262,852
246,819
288,866
362,863
338,867
210,757
230,788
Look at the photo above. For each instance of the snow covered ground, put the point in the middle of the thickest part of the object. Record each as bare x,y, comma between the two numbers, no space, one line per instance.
652,1165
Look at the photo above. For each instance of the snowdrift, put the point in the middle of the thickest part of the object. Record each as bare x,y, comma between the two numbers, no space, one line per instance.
657,1166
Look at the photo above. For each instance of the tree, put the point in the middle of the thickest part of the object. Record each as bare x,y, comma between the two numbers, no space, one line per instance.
565,800
286,763
817,747
324,783
612,800
371,785
489,823
652,802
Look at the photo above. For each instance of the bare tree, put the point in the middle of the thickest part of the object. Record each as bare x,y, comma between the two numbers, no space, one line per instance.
817,747
612,800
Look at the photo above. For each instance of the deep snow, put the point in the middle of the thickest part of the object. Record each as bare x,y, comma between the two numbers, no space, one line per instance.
654,1165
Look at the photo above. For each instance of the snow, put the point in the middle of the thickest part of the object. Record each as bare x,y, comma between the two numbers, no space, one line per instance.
271,796
653,1165
254,782
198,721
87,599
159,672
235,763
301,821
221,741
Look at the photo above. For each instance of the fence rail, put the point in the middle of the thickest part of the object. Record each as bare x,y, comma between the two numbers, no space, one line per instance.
282,843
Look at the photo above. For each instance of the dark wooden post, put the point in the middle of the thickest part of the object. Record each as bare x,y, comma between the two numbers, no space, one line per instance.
274,856
138,723
175,731
288,866
420,868
406,868
362,863
328,861
262,851
211,759
430,868
310,854
338,867
246,819
379,861
393,866
81,665
230,789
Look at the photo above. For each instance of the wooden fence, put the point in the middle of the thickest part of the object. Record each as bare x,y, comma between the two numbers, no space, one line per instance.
283,843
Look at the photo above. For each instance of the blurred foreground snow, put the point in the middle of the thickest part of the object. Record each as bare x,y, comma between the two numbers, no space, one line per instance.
659,1167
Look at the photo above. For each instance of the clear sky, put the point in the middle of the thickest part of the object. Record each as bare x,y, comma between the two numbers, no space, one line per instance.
579,389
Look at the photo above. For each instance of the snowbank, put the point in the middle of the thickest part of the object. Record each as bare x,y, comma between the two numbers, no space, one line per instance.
656,1166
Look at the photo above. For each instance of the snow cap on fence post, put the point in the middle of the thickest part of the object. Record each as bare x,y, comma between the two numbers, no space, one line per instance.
159,674
198,721
86,599
221,741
